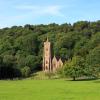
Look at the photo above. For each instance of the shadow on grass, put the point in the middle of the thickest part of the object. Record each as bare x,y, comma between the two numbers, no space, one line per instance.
84,79
97,81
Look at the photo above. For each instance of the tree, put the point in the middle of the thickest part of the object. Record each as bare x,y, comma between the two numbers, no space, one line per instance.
80,49
74,68
32,62
25,71
1,61
92,71
23,46
93,61
80,25
8,70
93,58
9,60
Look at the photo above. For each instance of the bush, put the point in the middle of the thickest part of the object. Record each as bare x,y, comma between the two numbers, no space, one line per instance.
25,71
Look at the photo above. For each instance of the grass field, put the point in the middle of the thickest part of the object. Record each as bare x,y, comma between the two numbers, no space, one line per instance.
49,90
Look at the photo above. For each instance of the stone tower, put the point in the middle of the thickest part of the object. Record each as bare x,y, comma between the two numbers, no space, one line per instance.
50,64
47,56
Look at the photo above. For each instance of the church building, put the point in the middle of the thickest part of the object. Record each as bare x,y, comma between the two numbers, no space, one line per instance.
50,64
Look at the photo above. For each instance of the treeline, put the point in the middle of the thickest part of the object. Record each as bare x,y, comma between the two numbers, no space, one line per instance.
21,48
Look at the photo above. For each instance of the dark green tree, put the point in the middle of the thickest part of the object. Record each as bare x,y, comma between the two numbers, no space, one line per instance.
74,68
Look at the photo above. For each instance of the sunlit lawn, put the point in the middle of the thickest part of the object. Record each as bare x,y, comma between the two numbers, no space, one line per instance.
49,90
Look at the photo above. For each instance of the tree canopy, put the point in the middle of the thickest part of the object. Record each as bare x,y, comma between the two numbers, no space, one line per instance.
22,46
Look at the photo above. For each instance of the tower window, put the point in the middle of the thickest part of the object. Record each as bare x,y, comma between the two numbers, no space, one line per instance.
46,49
46,62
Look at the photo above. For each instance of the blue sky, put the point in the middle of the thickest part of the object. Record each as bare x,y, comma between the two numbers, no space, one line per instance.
21,12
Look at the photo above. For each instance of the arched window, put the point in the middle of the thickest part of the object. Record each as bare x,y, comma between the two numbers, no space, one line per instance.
46,49
46,62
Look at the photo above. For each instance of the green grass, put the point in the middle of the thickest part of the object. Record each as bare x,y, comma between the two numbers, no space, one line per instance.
49,90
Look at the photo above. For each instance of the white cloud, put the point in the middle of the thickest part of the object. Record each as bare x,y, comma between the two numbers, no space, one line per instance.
25,13
54,10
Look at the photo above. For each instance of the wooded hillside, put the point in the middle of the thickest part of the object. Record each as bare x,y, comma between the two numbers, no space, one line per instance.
21,48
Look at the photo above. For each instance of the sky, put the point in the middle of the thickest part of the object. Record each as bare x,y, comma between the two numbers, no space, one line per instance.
21,12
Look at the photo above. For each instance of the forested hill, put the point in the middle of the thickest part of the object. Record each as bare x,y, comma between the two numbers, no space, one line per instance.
21,48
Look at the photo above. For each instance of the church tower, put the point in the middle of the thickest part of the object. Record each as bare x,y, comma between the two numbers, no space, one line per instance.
47,56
